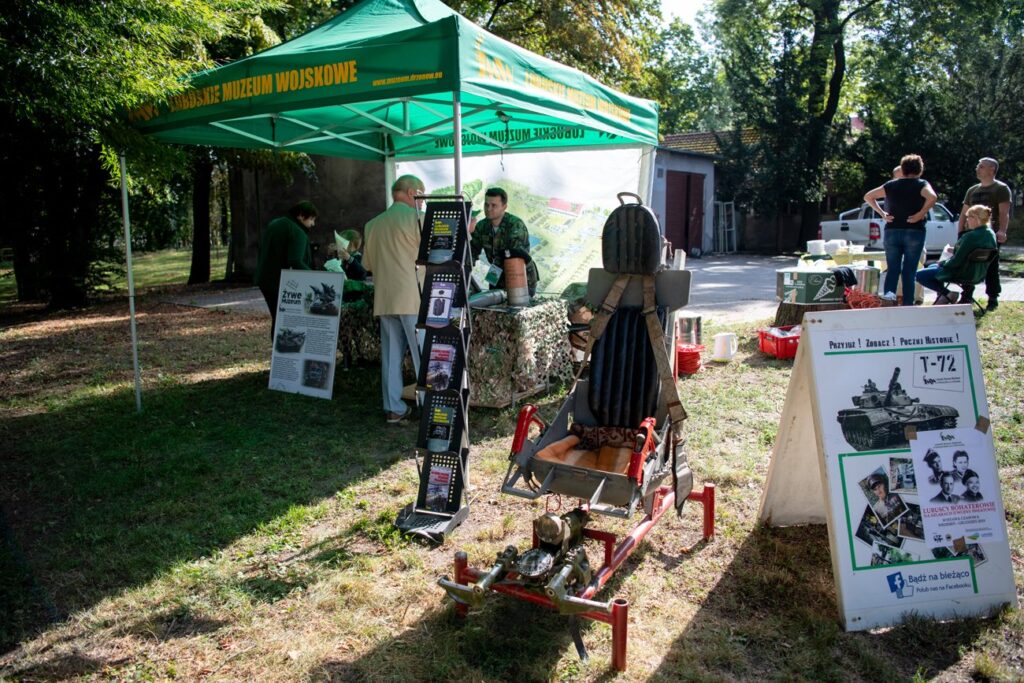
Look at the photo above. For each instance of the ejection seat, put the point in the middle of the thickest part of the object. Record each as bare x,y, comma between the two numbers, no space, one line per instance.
617,437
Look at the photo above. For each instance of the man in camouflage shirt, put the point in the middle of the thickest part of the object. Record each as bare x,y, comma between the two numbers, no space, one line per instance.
500,232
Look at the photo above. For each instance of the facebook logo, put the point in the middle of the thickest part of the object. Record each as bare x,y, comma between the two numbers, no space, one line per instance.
898,586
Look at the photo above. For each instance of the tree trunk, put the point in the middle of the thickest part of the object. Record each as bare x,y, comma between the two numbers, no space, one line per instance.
822,101
23,221
202,172
73,189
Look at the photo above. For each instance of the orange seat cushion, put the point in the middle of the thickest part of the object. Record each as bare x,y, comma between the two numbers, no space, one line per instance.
607,459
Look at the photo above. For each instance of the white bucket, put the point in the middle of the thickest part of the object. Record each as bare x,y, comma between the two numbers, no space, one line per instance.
816,247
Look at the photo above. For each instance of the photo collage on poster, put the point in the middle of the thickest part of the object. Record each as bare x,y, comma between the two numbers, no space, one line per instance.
876,420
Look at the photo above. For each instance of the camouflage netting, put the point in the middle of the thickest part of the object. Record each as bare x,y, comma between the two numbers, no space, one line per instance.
512,352
516,352
359,332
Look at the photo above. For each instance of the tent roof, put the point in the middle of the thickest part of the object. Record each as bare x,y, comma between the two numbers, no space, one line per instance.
377,81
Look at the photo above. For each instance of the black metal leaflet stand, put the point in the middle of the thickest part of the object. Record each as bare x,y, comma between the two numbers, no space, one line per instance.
442,444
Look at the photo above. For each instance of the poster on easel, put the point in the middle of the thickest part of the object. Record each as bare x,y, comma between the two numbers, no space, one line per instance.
887,411
306,332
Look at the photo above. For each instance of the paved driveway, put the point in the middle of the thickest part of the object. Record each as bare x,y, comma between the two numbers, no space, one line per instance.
735,287
726,288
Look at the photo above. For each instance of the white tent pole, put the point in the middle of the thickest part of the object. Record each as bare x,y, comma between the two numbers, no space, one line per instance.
648,154
457,136
131,282
390,173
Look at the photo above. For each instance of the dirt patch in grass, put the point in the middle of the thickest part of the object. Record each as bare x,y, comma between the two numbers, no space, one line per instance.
233,533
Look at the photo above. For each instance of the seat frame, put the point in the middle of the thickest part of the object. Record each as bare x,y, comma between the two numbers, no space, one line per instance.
607,493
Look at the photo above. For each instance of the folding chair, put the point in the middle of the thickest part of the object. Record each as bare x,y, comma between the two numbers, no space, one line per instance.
980,255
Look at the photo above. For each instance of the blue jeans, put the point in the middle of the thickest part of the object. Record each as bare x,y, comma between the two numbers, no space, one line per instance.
903,247
926,276
397,334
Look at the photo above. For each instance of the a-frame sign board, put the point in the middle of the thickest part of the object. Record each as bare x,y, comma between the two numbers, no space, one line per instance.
885,437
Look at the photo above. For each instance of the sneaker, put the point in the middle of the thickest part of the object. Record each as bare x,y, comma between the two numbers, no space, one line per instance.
942,300
993,304
395,418
889,296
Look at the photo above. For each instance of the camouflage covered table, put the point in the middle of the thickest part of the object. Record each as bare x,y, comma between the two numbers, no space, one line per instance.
515,352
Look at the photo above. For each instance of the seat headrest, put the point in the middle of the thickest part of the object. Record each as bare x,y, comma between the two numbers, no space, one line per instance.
631,241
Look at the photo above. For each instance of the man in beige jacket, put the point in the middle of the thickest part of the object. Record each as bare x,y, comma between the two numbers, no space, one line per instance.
392,243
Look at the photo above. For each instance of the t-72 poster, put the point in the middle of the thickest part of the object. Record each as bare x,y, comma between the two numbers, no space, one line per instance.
904,447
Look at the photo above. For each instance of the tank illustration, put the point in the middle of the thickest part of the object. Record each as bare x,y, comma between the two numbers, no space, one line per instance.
880,417
289,341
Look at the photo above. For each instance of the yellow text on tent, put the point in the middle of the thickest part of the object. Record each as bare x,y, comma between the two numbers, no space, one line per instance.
316,76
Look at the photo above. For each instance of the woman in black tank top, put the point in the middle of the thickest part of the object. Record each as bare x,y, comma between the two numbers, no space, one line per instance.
907,201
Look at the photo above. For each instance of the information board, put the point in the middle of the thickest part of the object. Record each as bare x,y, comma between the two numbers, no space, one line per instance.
887,409
306,332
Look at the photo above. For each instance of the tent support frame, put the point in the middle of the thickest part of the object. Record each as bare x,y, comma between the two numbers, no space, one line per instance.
131,281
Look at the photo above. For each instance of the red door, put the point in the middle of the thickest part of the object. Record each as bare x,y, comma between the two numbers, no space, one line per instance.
684,210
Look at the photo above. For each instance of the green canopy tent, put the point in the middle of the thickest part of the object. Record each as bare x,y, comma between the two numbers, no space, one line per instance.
397,79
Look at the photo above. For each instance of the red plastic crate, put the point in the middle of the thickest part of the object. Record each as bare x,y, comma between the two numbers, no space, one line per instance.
780,347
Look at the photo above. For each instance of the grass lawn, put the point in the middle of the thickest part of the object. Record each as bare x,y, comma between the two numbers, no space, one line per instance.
155,268
231,533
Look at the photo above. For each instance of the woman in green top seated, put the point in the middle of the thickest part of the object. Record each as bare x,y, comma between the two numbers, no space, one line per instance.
979,235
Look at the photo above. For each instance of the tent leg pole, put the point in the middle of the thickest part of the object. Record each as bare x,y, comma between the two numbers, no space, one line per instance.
131,282
457,137
390,174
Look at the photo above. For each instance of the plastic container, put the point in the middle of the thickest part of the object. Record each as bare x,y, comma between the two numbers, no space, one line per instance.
688,329
816,247
832,246
515,282
778,346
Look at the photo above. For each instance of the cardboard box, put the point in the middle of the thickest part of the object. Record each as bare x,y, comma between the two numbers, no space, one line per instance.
801,286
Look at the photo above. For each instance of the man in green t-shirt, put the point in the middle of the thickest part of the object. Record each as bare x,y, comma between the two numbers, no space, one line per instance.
996,196
284,244
499,232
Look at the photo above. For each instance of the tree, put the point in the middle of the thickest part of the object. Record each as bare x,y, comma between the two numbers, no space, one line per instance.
785,61
68,72
680,76
607,39
959,98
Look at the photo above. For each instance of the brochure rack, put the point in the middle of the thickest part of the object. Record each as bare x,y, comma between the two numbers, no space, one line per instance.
442,443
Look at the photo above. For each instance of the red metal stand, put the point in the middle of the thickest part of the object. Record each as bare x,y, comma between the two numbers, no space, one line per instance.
614,556
707,499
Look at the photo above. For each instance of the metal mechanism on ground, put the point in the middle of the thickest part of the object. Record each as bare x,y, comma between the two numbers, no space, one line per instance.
881,417
557,567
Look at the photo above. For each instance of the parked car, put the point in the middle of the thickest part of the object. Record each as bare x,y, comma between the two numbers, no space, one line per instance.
864,226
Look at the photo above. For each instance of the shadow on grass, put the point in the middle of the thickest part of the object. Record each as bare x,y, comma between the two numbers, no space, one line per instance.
507,639
96,498
773,615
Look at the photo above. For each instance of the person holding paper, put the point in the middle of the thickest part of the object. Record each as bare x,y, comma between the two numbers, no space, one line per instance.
392,244
499,232
284,244
957,267
349,243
